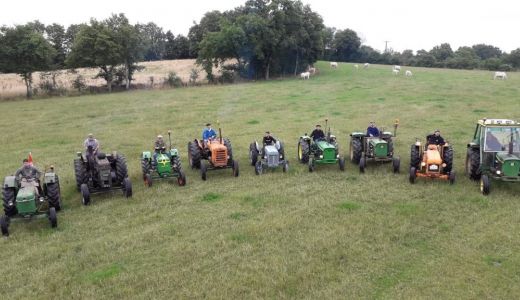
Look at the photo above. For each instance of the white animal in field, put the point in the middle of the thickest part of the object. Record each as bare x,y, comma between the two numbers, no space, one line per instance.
305,75
356,66
395,72
312,70
366,65
408,73
396,67
333,64
500,75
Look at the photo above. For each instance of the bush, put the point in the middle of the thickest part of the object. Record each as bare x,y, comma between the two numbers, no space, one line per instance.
48,84
228,74
505,67
173,80
194,75
79,83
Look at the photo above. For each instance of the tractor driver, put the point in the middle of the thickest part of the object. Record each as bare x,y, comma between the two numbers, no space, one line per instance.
159,147
208,133
436,138
317,133
372,130
91,142
268,139
28,173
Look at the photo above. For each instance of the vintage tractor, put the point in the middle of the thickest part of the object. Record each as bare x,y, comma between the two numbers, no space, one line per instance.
25,198
167,164
323,151
365,148
213,154
432,161
99,173
267,157
494,153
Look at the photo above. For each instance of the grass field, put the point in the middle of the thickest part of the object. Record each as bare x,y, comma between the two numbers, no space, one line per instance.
323,235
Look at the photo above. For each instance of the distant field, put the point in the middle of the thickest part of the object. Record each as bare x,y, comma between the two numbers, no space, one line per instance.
11,85
321,235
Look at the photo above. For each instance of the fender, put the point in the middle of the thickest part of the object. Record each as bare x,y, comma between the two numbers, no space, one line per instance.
10,182
357,134
50,177
146,155
174,152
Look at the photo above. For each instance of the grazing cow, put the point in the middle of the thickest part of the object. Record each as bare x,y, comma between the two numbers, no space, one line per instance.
333,64
356,66
408,73
366,65
396,67
395,72
305,75
500,75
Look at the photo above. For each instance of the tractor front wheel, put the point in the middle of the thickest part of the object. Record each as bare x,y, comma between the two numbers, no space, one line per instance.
413,175
311,165
148,180
452,177
4,225
203,170
396,163
286,167
181,180
235,168
341,163
484,185
85,194
53,218
362,165
127,188
258,168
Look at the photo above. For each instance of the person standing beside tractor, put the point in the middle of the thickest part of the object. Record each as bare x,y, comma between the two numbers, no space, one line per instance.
317,133
28,173
372,130
436,138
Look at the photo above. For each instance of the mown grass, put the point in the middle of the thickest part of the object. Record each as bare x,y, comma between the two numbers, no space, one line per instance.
322,235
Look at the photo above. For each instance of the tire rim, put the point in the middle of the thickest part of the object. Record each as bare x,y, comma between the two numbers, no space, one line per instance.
482,185
300,152
351,152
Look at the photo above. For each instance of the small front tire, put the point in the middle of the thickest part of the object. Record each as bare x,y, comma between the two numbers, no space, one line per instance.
85,194
484,185
53,218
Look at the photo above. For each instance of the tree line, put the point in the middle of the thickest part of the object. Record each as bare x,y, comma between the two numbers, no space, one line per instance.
258,40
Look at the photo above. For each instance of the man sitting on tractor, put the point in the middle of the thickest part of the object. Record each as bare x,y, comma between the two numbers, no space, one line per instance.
28,173
268,139
435,138
317,134
159,147
372,130
208,134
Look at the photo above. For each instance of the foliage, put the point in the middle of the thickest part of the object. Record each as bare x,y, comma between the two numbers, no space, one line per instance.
79,83
173,80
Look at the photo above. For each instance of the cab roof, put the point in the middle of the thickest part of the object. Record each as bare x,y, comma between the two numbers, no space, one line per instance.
498,122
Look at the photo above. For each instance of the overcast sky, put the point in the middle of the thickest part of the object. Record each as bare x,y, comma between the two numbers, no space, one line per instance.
406,24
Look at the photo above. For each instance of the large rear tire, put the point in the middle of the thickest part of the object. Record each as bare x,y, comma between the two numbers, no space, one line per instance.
54,195
303,151
227,143
145,167
253,154
4,225
448,159
356,150
473,164
121,168
194,155
53,218
415,156
80,171
85,194
9,198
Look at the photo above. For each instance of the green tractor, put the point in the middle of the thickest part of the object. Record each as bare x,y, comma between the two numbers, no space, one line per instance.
25,198
494,153
320,152
365,148
167,164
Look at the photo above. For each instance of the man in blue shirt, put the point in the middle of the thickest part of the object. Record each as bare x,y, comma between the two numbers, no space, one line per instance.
372,130
208,133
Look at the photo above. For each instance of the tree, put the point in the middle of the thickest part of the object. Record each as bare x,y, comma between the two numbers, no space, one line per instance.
464,58
96,46
181,47
210,22
367,54
153,40
484,51
70,35
442,53
56,36
425,59
346,44
328,39
514,58
24,50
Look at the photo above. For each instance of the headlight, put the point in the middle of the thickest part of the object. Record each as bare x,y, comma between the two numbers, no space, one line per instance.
423,164
321,156
11,203
337,156
498,172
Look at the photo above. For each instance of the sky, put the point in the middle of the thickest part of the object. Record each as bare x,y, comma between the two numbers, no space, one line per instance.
405,24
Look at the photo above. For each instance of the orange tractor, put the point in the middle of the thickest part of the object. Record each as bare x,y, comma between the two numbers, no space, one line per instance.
212,154
434,161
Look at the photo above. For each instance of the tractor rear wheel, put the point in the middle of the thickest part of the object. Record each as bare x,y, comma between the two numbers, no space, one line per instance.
448,158
4,225
253,154
415,156
181,180
9,202
53,195
227,143
194,155
235,168
362,165
473,164
148,180
127,187
53,218
396,163
451,177
85,194
484,185
356,149
303,151
80,171
258,168
413,175
145,167
121,168
341,163
203,170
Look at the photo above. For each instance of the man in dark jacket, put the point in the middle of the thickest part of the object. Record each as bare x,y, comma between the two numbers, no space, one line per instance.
372,130
317,133
268,139
436,138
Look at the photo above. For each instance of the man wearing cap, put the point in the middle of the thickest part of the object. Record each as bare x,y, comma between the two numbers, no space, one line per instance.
159,147
268,139
91,142
436,138
317,133
208,133
372,130
28,173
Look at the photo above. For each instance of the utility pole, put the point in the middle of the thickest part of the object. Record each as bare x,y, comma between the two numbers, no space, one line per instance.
386,46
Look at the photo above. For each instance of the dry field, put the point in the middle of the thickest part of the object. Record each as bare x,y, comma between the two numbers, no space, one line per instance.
11,85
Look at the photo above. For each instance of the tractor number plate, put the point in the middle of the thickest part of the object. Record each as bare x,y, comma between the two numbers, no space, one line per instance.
434,167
